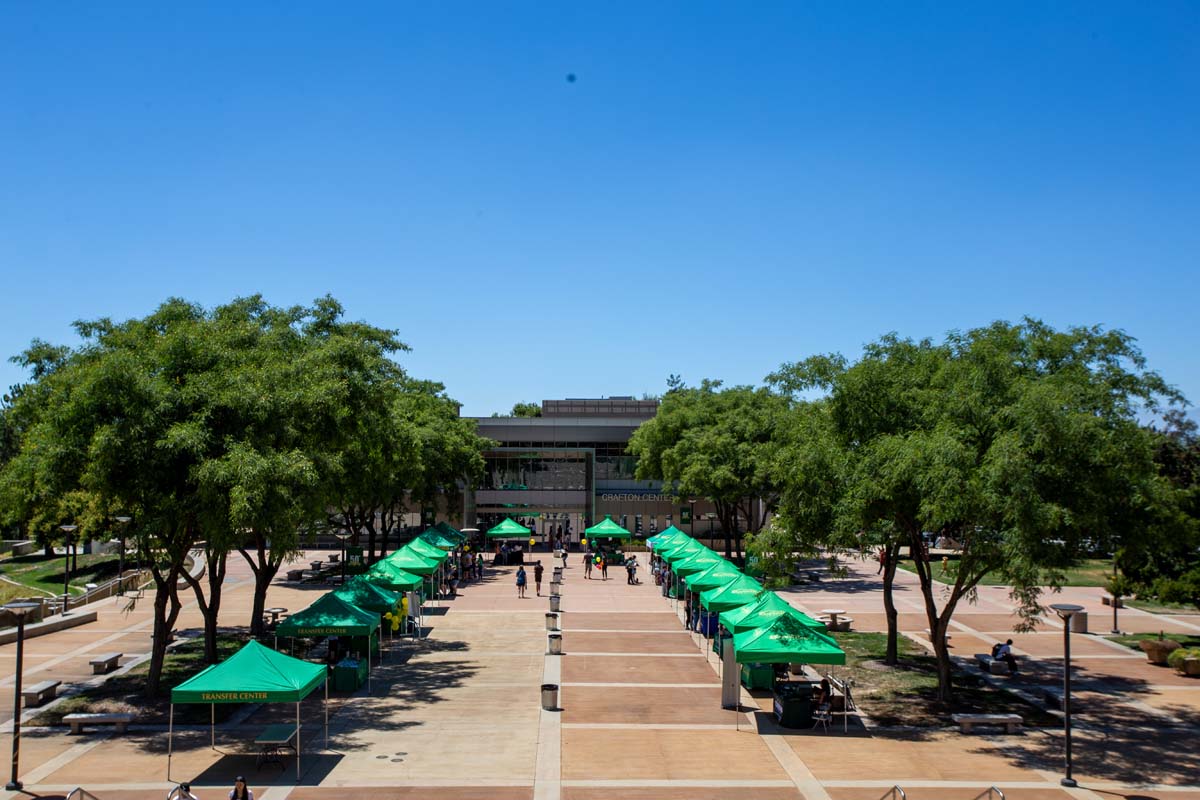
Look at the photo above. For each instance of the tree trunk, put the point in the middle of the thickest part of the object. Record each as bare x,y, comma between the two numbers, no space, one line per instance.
165,595
938,622
889,605
210,606
265,564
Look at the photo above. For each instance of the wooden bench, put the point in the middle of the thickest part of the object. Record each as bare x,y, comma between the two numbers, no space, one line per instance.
77,721
46,690
102,665
1011,722
271,743
993,666
1107,599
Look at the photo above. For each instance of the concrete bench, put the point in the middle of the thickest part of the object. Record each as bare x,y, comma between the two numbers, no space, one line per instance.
295,575
1107,599
1011,722
843,623
102,665
992,666
46,690
77,721
929,635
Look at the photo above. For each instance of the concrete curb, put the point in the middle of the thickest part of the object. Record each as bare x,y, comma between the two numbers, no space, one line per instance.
58,623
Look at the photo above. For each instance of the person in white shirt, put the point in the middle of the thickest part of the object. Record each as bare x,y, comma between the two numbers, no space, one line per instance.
1004,653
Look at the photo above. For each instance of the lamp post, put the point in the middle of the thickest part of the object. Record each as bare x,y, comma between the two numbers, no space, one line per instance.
18,610
342,536
692,503
124,523
69,530
711,516
1066,611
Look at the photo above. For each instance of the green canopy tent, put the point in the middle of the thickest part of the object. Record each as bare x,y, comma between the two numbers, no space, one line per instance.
448,530
254,674
607,529
664,538
388,575
410,560
764,611
361,592
509,529
719,574
438,539
787,640
681,550
696,562
330,615
427,550
740,591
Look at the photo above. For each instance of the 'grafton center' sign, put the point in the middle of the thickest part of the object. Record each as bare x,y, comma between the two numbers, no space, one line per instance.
215,696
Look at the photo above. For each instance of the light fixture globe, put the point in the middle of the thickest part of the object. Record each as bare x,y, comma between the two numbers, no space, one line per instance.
20,608
1066,610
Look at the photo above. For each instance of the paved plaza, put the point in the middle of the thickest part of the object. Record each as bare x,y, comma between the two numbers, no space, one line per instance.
458,714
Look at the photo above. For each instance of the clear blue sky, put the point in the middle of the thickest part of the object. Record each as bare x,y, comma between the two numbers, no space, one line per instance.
726,186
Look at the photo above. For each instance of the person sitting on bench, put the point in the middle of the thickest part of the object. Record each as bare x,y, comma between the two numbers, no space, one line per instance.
1003,652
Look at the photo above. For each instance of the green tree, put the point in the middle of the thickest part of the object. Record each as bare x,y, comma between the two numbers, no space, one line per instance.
719,444
1017,441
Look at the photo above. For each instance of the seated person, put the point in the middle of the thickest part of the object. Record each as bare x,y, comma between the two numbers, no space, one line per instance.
1003,652
824,693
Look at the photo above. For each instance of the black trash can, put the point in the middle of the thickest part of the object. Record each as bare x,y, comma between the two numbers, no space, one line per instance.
793,704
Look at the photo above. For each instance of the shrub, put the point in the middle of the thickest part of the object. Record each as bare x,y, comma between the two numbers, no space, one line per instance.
1177,657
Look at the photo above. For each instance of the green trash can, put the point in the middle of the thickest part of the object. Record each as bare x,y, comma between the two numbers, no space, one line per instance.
793,704
346,675
758,676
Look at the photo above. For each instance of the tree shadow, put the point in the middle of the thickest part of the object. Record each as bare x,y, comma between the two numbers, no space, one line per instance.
1117,742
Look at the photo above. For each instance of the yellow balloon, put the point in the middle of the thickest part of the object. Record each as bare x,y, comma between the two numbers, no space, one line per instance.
395,625
583,542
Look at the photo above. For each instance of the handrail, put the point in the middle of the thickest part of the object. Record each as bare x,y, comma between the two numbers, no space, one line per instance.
989,792
892,792
82,793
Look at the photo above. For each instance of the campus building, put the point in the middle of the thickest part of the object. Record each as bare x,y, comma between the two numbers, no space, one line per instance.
569,467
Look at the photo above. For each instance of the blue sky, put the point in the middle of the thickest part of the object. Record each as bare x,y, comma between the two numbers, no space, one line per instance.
724,187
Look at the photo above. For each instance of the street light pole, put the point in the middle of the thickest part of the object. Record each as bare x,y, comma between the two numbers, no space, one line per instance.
692,503
18,610
69,530
124,522
1066,611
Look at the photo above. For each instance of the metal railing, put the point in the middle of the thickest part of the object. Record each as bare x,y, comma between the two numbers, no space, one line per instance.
81,793
991,793
893,792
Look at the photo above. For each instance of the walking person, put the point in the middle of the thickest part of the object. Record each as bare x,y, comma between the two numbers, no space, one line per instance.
587,565
521,581
882,556
538,569
604,566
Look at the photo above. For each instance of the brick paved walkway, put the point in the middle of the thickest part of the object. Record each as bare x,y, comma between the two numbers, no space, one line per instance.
458,715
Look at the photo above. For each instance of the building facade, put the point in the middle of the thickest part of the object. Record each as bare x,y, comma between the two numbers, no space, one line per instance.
567,469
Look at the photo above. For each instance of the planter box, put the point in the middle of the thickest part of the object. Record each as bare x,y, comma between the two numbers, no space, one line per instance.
1157,650
1191,667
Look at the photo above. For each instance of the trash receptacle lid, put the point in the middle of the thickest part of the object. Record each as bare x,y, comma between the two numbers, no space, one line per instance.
549,687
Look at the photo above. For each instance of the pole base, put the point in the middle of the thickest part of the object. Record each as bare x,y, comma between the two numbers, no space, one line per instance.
1069,783
13,786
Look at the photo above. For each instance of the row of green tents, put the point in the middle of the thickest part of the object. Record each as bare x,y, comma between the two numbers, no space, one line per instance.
766,628
259,674
605,529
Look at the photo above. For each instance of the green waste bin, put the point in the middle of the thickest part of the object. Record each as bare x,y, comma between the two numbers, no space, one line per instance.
758,676
793,704
347,675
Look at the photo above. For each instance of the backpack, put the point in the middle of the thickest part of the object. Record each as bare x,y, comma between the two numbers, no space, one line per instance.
996,650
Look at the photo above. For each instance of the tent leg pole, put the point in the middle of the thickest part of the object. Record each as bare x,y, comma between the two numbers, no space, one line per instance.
298,741
170,737
325,705
212,725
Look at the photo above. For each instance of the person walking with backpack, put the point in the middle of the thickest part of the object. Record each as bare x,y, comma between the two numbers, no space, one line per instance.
521,581
538,569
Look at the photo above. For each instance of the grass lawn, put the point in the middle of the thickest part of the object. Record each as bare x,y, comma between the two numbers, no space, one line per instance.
1155,607
126,693
46,574
1131,640
1089,572
905,694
